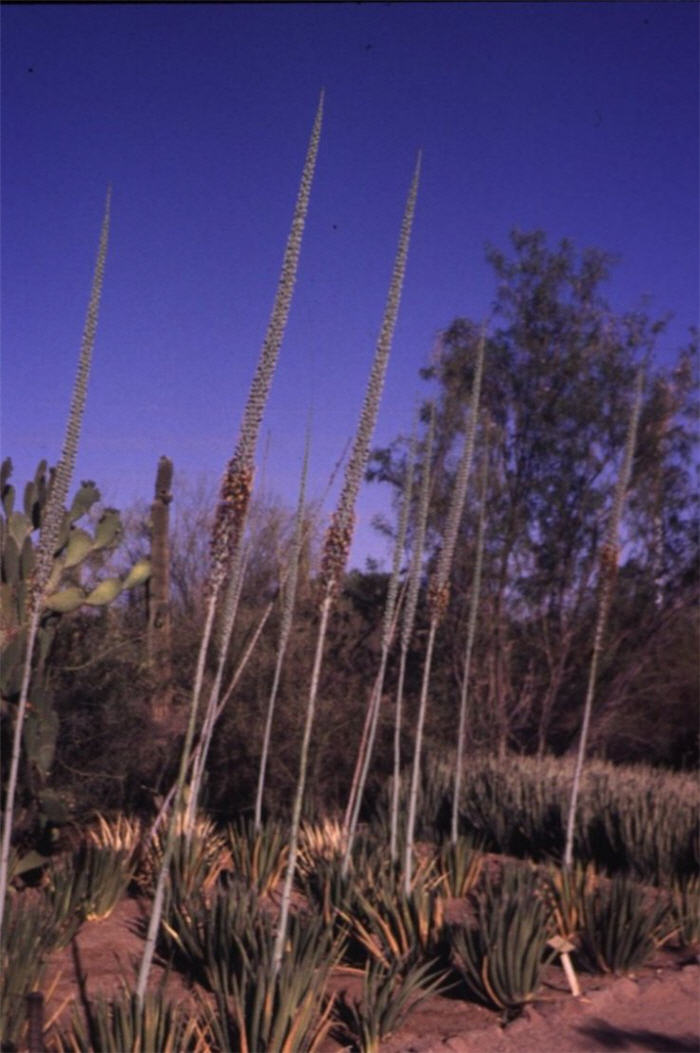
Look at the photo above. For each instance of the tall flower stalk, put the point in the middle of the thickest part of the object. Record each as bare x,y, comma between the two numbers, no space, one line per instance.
388,629
237,484
229,524
285,628
471,632
409,618
606,586
438,597
50,529
339,535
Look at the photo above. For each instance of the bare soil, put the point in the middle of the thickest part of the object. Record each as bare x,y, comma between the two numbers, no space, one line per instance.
655,1009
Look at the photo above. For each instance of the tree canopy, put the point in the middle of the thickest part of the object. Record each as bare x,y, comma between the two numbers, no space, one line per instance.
557,387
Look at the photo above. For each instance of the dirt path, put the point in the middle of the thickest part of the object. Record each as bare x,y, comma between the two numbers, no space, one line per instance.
657,1009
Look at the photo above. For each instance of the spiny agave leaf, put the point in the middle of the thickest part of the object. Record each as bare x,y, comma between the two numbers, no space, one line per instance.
83,501
66,600
10,561
108,529
139,573
19,527
104,593
80,543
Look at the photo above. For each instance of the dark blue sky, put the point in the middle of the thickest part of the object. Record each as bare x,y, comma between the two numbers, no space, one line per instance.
581,119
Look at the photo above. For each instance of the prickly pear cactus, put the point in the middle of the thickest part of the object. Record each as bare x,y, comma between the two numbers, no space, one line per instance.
76,554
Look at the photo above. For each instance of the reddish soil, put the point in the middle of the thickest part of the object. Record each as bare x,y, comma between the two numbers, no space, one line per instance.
656,1009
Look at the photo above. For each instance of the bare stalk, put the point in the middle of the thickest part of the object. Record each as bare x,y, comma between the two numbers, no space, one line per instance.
438,596
230,518
339,535
240,668
389,624
50,529
285,629
607,575
471,632
409,617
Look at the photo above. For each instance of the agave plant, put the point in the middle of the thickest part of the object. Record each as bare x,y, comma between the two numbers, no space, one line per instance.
621,927
258,854
34,927
460,863
122,833
388,995
211,935
392,927
319,842
127,1023
196,860
565,891
685,909
501,957
91,881
259,1006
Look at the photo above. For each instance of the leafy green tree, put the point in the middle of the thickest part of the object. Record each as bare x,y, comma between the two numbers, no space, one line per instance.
557,386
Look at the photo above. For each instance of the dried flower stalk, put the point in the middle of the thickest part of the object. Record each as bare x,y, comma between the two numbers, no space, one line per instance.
340,534
50,529
227,534
606,585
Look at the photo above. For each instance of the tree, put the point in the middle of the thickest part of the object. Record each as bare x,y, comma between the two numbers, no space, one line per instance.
557,386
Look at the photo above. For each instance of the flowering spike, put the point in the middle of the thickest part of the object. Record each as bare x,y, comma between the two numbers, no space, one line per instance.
439,589
339,536
64,472
236,486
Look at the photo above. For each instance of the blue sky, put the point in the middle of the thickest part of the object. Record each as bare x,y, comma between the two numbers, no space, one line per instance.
580,119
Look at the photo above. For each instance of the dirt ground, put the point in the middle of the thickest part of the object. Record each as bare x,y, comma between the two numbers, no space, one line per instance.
656,1009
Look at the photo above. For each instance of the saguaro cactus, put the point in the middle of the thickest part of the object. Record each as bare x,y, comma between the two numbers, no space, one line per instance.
159,640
